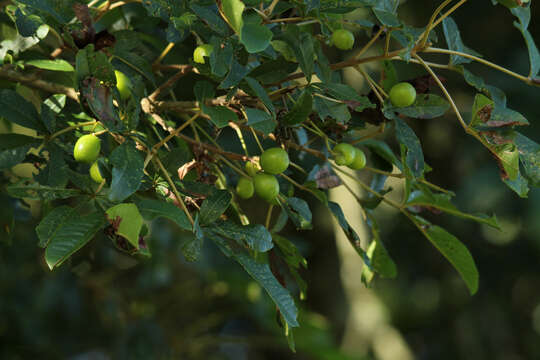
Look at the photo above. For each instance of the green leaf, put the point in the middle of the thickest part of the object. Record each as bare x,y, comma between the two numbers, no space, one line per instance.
299,212
211,18
255,37
353,237
90,63
15,108
38,192
332,109
27,25
529,154
340,91
214,206
233,9
452,249
72,235
127,171
386,18
219,115
443,202
263,275
415,157
302,45
260,120
13,149
151,209
426,106
256,237
381,262
261,94
236,74
54,65
453,39
128,220
61,10
524,15
51,223
389,76
301,110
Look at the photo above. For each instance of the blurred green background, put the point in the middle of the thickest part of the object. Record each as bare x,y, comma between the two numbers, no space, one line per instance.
105,305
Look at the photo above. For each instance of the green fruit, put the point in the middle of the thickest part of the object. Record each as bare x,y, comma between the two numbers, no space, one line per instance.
359,161
251,169
244,188
344,154
343,39
266,186
95,174
402,94
274,161
201,51
87,148
123,84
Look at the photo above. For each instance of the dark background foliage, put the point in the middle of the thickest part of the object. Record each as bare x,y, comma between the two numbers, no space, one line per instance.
105,305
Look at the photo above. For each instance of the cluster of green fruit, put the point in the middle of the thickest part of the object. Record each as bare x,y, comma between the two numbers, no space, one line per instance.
87,150
273,162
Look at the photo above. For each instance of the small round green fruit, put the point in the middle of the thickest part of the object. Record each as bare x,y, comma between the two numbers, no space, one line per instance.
123,84
87,148
359,161
266,186
201,51
344,154
95,174
343,39
245,188
274,161
251,168
402,94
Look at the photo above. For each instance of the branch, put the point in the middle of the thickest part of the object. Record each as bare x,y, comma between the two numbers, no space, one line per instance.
34,82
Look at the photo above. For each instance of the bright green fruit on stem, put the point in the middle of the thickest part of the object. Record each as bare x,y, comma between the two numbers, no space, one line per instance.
123,84
512,3
266,186
244,188
359,161
274,161
344,154
343,39
402,94
201,51
251,168
95,174
87,148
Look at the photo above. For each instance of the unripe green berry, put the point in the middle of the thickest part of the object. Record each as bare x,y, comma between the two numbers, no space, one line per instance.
123,84
87,148
359,160
274,161
251,168
201,51
245,188
344,154
343,39
402,94
95,174
266,186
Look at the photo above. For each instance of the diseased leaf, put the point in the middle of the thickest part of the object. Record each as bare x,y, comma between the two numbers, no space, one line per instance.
127,222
